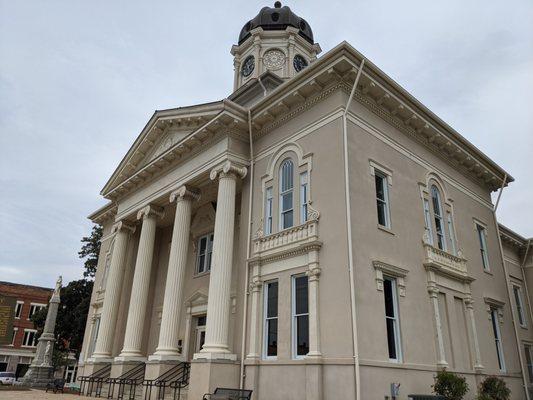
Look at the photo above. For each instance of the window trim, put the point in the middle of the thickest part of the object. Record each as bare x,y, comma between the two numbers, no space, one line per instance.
495,321
269,210
481,232
519,304
266,319
396,319
283,193
386,197
438,215
34,338
209,241
528,352
94,334
451,233
15,331
40,305
427,221
304,194
21,302
294,316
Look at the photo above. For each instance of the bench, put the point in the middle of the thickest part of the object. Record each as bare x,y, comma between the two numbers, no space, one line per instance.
425,397
228,394
57,385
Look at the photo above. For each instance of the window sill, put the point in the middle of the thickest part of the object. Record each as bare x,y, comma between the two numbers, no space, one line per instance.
199,275
488,272
524,327
385,229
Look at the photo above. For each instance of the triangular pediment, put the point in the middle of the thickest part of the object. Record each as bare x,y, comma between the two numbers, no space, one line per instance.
198,298
168,139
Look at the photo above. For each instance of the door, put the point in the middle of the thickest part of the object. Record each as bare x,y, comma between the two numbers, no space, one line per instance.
200,333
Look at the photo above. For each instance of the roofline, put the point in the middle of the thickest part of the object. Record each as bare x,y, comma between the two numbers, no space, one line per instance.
26,286
517,237
99,213
345,48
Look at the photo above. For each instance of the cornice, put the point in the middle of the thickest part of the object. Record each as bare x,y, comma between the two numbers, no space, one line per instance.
104,214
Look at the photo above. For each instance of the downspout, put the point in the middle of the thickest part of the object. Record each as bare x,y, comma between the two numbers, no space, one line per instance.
248,240
349,233
509,295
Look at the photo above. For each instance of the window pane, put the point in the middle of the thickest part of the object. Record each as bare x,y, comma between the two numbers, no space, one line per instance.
272,337
203,245
380,192
302,336
286,175
201,263
272,300
301,295
382,220
286,201
435,196
389,299
391,339
287,220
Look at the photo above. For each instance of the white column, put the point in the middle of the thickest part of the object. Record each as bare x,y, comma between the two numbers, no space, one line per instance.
314,325
172,303
434,295
141,284
218,305
255,333
113,289
469,303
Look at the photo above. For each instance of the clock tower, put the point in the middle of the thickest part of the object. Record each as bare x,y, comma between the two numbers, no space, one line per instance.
276,40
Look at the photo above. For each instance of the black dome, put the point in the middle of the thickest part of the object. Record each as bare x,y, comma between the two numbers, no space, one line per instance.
277,18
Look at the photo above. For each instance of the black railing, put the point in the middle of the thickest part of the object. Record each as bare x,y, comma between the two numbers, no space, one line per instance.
174,379
94,381
128,380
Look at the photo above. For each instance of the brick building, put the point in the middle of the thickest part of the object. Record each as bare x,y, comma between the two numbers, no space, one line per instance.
17,356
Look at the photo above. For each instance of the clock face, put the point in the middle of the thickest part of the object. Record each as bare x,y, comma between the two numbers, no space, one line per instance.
299,63
274,59
248,66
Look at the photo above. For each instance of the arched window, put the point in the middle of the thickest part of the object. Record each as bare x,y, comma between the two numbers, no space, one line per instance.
438,217
286,194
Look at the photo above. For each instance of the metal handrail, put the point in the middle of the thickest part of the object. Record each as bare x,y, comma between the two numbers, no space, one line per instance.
175,378
96,377
131,378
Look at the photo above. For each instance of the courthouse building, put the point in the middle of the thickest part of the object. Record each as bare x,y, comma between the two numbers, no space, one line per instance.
317,234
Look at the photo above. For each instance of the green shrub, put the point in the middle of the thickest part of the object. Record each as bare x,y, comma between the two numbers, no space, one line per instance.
450,385
493,388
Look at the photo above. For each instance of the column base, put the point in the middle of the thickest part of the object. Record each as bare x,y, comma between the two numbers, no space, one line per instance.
442,365
99,360
479,368
207,375
166,357
129,358
215,356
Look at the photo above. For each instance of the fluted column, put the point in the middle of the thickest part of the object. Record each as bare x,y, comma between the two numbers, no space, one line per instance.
314,325
113,289
469,303
141,284
218,305
170,319
255,290
434,295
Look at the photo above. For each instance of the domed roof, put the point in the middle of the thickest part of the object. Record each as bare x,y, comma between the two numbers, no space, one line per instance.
277,18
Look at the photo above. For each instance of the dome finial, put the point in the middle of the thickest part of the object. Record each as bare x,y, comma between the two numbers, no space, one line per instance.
277,4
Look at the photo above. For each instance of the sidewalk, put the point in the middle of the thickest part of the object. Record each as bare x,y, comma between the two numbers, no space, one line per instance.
36,394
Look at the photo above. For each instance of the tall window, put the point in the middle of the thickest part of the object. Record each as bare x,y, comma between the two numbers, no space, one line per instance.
451,233
391,318
15,330
519,305
286,194
497,338
268,211
427,220
439,222
205,250
30,338
18,309
529,362
300,316
382,199
94,335
270,335
303,197
481,234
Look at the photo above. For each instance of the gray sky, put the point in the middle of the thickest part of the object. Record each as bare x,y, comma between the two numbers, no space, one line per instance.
79,79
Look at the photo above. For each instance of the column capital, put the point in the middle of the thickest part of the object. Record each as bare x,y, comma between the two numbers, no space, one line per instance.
123,225
469,302
228,168
150,210
433,291
314,273
255,284
184,193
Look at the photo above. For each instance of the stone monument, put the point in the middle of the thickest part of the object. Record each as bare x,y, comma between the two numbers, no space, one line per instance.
41,370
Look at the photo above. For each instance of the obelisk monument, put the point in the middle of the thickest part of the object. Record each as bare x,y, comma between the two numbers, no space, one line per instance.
41,369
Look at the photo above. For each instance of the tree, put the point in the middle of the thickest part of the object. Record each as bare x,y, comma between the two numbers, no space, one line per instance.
90,251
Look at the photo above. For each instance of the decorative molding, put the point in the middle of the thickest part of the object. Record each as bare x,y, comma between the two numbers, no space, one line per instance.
185,193
150,210
287,238
283,254
444,262
228,169
123,225
492,303
383,268
312,214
